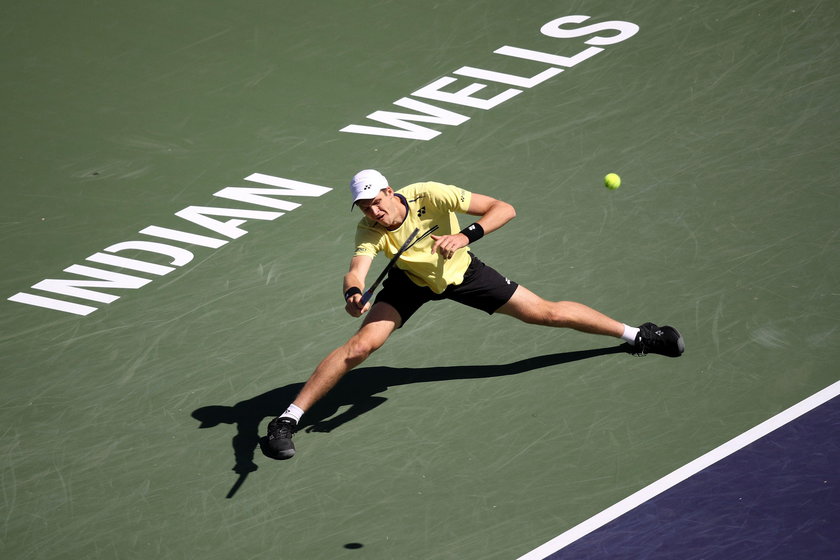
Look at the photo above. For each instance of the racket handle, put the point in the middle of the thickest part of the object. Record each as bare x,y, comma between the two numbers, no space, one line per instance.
366,297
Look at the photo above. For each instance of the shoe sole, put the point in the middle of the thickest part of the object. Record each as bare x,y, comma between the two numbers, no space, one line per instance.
680,343
272,453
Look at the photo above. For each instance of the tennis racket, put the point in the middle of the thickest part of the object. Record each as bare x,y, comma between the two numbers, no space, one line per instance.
409,243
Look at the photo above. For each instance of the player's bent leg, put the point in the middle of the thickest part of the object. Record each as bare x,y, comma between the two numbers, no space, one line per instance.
379,323
527,306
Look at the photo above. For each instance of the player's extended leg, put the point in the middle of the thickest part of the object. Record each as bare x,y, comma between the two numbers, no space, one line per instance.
527,306
646,339
380,322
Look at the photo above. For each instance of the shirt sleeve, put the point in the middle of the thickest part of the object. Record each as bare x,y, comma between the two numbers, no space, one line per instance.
368,240
450,197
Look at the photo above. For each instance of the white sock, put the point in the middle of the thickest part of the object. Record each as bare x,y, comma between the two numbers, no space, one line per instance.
293,412
630,334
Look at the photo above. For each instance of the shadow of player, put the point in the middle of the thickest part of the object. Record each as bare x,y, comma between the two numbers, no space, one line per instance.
360,390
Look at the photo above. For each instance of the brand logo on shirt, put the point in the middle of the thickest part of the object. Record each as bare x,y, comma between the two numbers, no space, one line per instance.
421,212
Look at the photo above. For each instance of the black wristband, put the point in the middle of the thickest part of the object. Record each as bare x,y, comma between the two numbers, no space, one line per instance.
474,232
351,292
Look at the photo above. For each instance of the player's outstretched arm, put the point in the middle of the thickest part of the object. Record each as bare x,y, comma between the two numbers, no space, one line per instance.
354,285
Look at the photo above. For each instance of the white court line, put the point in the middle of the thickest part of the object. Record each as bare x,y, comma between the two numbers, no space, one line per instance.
681,474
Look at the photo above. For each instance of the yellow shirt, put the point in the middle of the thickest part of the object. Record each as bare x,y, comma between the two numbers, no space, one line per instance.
428,204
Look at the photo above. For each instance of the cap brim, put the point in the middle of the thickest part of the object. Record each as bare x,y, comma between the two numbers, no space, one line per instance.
357,199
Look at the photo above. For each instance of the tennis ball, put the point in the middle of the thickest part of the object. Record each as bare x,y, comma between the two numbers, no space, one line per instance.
612,181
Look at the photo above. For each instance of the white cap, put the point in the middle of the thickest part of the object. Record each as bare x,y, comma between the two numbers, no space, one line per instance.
366,184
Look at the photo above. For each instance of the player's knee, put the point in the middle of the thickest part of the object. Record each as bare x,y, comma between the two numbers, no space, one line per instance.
567,314
555,314
359,349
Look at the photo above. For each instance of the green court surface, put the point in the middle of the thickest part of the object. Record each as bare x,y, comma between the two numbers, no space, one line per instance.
130,432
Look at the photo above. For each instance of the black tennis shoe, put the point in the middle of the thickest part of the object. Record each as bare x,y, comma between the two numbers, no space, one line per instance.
652,339
278,443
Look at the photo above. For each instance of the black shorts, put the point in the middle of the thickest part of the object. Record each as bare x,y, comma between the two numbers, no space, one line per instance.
483,288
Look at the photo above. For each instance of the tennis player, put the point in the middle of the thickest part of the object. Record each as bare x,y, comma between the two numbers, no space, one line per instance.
437,267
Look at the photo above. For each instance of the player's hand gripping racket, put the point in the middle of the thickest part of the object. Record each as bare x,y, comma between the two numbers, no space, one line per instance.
409,243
